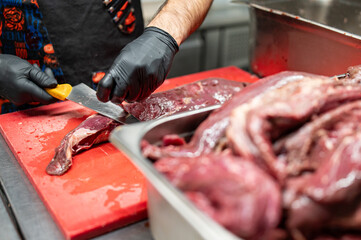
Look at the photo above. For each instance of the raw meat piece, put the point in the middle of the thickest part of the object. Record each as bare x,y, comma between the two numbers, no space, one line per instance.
333,190
234,192
304,149
256,125
95,129
211,131
192,96
173,139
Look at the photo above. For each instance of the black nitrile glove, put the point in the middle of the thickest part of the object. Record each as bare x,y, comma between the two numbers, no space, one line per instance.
21,82
140,68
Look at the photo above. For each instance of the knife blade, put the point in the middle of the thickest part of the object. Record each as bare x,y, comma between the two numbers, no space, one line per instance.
86,96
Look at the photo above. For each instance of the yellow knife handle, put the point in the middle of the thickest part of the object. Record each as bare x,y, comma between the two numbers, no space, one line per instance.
60,92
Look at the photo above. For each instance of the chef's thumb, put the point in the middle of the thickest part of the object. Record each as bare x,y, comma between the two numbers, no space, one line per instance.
105,87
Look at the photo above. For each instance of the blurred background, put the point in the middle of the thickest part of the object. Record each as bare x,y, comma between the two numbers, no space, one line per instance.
222,39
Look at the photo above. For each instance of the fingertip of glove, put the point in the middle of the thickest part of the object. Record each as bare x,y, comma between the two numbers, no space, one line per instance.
107,81
42,79
51,78
40,95
105,87
117,100
49,101
49,72
36,66
50,83
102,94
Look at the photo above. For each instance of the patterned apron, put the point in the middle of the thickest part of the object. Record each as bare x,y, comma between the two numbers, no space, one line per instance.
23,33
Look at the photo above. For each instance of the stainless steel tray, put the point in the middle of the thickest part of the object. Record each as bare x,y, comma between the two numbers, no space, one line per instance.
315,36
171,214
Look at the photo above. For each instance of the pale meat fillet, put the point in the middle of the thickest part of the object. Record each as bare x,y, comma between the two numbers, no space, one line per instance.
95,129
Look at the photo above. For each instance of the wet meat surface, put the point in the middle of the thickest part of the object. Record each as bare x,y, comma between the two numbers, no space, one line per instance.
200,94
234,192
96,128
301,135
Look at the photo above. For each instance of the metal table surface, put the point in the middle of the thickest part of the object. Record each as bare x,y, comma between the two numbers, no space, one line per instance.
24,216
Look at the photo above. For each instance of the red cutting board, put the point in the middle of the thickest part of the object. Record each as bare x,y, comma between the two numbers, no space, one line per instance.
102,190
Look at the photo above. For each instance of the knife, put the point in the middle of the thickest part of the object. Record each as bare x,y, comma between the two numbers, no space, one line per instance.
86,96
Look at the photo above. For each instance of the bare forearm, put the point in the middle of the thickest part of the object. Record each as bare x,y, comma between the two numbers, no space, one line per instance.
180,18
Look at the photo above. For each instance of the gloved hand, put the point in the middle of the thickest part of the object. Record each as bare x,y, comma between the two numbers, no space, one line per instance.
140,68
21,82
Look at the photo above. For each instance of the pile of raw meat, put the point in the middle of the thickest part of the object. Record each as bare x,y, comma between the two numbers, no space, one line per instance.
280,160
